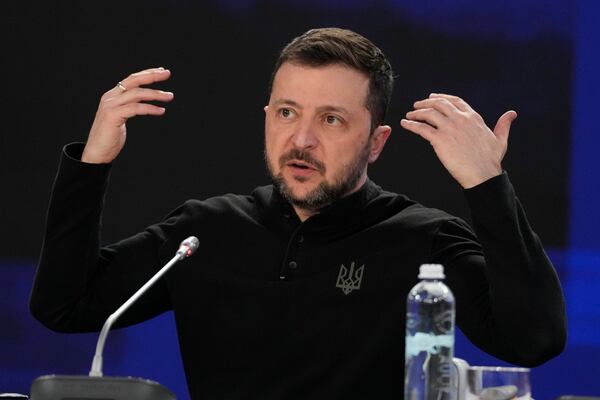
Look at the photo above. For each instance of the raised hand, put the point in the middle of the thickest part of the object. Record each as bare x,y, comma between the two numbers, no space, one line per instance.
467,148
125,100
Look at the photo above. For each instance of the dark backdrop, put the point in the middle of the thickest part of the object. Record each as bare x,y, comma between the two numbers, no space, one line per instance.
63,57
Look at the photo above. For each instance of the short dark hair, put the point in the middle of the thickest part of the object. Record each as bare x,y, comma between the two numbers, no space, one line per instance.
325,46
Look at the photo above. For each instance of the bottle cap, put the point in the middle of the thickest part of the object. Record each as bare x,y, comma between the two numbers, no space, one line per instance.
431,271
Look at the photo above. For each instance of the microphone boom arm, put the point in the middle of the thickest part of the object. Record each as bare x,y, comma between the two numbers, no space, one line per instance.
186,249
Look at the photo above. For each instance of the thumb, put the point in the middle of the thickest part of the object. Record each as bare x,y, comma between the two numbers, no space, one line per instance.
502,128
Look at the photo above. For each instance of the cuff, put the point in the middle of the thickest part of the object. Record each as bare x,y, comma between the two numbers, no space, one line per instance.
493,197
71,164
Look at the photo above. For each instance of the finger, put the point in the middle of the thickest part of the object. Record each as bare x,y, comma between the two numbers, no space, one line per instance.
443,106
132,109
142,94
455,100
427,132
429,115
146,77
502,128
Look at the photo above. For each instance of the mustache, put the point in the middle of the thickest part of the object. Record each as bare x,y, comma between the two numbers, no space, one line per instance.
301,155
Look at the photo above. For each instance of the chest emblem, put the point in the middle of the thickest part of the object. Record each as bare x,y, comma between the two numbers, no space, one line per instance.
350,279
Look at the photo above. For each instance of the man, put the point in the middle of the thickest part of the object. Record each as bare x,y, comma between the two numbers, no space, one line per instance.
276,307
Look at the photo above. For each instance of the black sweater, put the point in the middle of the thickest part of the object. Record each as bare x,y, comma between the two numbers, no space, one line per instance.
260,311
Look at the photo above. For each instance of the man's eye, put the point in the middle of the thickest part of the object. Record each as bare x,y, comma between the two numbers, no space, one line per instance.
332,120
285,112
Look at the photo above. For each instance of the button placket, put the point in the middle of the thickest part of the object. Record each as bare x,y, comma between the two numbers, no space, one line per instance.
289,260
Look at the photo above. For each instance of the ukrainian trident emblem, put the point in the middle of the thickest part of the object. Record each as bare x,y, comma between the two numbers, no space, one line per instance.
349,280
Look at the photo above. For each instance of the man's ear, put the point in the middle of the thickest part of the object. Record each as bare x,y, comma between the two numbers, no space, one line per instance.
266,109
378,139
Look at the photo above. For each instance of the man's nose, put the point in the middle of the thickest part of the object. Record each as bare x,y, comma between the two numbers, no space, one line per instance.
305,135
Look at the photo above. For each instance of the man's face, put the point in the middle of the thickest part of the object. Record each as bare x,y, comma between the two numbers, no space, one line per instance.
317,142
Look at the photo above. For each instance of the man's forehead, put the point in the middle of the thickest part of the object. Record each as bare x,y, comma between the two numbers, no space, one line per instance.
335,86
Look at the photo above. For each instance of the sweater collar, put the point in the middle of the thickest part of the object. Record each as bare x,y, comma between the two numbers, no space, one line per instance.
336,215
348,205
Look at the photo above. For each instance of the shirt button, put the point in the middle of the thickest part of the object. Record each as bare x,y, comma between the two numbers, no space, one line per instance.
293,264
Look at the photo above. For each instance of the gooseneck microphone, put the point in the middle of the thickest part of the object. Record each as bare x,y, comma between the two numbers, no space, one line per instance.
51,387
186,249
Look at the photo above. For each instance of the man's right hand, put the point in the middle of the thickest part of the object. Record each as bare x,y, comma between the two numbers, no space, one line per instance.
108,133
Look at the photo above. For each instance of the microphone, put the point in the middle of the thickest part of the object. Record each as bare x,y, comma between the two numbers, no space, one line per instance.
188,247
54,387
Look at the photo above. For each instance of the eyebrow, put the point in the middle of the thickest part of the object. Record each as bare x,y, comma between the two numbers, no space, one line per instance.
324,108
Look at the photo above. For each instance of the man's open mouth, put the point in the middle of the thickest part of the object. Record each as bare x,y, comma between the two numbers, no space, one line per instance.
300,165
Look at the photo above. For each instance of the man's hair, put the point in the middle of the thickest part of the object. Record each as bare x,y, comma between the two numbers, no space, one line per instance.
326,46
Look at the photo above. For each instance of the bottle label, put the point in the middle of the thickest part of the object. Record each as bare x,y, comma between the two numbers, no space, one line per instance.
427,342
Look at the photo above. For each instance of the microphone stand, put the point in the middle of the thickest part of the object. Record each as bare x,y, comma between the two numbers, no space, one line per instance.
97,362
96,386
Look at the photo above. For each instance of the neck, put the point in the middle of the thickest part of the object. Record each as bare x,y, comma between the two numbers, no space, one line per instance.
304,214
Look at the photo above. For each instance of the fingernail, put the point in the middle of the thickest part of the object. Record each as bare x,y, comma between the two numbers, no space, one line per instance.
160,68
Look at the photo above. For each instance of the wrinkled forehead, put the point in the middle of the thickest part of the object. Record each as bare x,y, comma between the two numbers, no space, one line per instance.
335,85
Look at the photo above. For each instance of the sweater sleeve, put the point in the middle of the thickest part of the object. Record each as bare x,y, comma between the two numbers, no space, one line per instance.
509,299
78,284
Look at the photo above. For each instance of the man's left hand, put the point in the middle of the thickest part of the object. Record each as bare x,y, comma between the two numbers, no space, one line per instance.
469,150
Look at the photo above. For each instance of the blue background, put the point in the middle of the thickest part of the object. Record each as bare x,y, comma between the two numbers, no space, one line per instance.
150,350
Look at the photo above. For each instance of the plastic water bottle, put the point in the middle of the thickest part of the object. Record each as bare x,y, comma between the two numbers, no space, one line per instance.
429,338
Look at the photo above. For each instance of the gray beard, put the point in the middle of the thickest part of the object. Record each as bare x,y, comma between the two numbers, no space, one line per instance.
326,193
